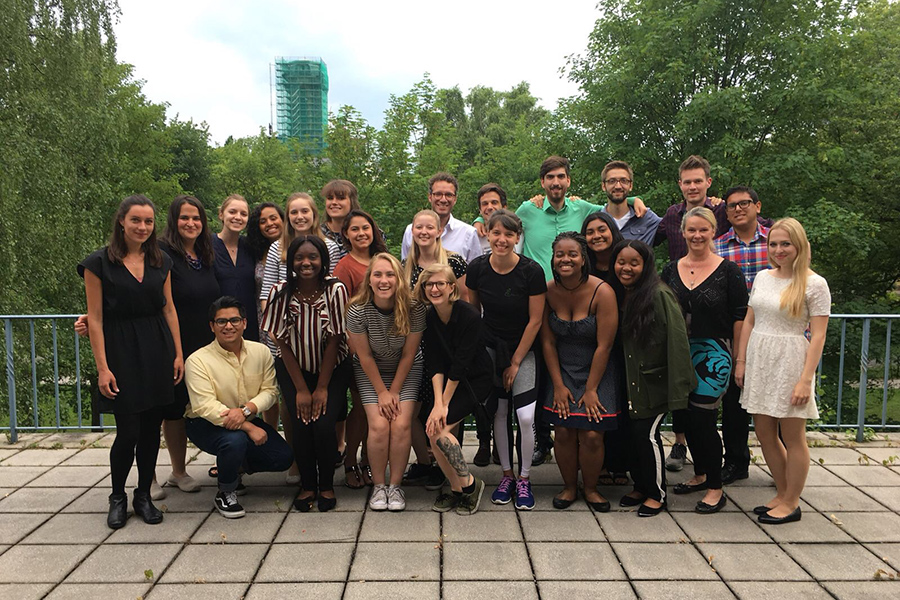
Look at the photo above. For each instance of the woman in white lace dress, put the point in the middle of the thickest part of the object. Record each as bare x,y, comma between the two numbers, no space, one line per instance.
776,364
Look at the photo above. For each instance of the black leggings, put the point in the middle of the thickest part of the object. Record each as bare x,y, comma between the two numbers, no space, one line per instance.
315,443
136,435
705,444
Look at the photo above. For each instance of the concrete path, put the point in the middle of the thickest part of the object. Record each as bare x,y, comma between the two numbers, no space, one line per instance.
54,541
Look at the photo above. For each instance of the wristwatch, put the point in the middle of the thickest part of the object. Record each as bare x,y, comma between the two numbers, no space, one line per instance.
246,412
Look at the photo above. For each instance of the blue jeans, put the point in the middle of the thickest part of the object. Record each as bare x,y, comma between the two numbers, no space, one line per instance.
234,449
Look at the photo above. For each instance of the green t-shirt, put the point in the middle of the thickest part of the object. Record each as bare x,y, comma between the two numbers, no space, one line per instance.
542,225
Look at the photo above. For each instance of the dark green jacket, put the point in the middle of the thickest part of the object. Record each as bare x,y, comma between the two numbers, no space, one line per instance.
658,368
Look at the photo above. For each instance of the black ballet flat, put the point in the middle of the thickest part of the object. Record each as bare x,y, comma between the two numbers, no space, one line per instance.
629,502
602,507
707,509
304,505
326,504
646,511
687,488
761,510
561,504
770,520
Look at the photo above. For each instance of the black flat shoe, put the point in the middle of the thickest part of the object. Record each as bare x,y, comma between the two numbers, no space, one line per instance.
304,505
600,506
326,504
562,504
687,488
144,508
118,511
770,520
707,509
646,511
629,502
761,510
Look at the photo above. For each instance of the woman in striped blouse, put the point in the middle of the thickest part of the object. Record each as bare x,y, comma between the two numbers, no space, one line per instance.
305,317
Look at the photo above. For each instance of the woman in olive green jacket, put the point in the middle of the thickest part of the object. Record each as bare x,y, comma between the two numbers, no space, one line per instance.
658,369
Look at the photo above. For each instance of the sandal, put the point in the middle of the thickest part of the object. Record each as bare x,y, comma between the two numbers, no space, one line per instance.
620,478
606,478
213,472
367,475
357,474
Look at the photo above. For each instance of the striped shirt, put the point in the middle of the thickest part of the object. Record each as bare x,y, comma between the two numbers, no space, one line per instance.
751,258
306,327
378,326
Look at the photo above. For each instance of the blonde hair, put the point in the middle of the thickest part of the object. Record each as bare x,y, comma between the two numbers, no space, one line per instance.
402,297
794,295
425,276
703,213
440,253
289,234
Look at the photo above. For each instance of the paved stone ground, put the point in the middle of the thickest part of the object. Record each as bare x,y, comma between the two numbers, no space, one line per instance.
54,541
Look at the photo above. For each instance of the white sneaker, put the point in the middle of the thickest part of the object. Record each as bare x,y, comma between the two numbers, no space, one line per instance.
379,499
156,492
396,498
185,483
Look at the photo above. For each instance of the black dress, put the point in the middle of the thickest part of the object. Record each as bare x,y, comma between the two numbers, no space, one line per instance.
238,279
193,290
140,351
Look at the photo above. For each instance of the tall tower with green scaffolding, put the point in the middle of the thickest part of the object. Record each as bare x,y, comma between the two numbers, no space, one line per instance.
301,100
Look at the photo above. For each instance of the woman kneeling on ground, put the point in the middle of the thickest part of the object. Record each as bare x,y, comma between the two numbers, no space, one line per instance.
459,367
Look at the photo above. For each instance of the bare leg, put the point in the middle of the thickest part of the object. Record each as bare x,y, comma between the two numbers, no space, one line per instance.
356,429
566,446
449,456
176,444
793,431
590,455
775,454
400,442
378,440
419,439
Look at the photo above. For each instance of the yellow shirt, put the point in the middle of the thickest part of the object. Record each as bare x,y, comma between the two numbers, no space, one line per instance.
218,381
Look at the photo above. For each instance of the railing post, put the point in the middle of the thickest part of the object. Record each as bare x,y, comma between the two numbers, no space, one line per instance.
863,381
887,373
11,382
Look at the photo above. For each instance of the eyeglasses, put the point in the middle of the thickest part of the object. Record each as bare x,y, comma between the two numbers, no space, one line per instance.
615,180
436,284
447,195
742,204
235,321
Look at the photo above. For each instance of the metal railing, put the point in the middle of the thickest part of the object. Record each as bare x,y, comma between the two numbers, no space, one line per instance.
39,338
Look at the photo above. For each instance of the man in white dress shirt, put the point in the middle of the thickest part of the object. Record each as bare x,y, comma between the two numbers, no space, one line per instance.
456,236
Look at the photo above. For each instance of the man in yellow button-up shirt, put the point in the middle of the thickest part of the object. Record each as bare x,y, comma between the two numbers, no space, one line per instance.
230,381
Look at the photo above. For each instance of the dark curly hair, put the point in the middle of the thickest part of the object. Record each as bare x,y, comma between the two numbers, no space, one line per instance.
291,284
613,230
259,244
582,245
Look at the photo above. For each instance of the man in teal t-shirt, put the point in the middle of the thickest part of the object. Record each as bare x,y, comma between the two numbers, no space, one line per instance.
558,213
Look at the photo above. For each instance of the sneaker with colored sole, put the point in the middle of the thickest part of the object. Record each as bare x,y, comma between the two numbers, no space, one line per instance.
504,492
524,497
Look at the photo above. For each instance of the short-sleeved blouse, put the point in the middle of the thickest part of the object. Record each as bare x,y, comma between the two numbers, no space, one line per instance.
140,351
456,262
275,269
238,279
306,327
351,272
378,326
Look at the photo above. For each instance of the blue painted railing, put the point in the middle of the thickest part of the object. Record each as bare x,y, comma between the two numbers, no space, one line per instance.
32,350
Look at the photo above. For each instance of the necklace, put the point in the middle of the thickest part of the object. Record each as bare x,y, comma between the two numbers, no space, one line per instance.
307,298
580,283
692,268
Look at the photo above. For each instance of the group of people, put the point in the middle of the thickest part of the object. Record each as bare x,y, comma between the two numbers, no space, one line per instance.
552,317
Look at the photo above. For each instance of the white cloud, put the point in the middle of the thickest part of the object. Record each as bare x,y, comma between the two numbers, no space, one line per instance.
210,60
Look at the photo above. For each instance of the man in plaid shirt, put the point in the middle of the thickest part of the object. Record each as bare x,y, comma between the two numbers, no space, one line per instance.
746,244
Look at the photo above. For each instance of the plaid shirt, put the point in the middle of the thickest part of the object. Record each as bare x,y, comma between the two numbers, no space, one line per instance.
751,258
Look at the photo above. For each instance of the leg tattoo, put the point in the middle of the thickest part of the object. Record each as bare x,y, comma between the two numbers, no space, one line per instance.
453,452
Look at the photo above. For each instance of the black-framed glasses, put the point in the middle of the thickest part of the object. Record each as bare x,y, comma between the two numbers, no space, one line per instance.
615,180
742,204
447,195
233,320
436,284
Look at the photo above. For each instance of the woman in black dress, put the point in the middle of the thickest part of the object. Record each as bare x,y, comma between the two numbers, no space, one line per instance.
713,297
137,347
187,241
235,265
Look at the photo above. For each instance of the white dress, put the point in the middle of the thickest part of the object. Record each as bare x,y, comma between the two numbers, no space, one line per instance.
777,348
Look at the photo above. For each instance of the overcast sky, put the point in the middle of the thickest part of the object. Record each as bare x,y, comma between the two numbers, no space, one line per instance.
210,60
